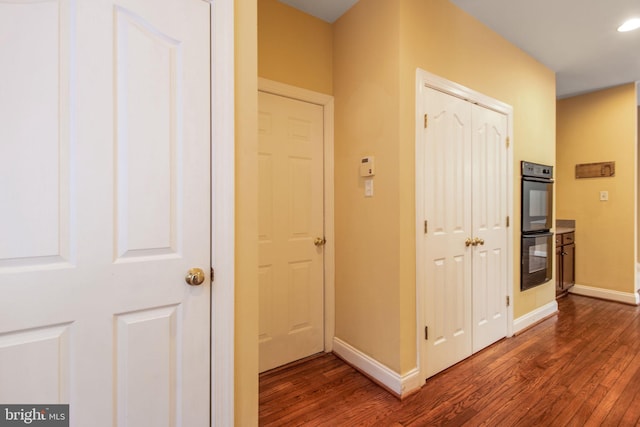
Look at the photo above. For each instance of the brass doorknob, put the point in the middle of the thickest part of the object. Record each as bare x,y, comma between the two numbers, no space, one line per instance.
478,241
320,241
473,242
195,277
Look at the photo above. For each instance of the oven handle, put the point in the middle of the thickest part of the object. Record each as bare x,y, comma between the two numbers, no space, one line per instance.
533,235
543,180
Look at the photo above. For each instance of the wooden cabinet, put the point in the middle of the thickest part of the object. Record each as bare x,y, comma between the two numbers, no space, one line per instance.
565,262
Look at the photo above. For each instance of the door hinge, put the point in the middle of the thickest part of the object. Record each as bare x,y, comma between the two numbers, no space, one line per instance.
426,332
426,227
508,301
426,121
213,274
508,220
508,142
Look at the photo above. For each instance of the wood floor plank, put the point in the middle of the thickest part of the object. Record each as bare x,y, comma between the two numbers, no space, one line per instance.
579,368
595,364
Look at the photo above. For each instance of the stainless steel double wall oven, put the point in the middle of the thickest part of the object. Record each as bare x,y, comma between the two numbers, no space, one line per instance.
537,211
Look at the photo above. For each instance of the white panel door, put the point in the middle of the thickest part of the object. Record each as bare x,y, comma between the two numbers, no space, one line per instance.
463,251
489,225
447,208
290,212
104,185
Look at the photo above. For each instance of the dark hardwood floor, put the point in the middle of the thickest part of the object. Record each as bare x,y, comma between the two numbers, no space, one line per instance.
581,368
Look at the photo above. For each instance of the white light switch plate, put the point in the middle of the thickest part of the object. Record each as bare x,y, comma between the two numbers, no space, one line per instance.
368,188
604,196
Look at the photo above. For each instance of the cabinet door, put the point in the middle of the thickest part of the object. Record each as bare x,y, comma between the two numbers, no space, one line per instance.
559,268
568,266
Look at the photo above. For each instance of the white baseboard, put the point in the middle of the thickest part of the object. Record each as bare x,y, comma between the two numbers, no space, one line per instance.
400,385
534,316
625,297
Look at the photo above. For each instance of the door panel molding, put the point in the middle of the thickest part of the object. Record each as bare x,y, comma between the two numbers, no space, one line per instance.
326,101
42,238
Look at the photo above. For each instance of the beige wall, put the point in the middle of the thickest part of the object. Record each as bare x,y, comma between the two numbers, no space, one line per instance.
294,48
366,77
378,45
596,127
246,284
442,39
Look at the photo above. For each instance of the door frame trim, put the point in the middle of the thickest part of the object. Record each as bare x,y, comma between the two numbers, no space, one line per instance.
326,101
426,79
222,395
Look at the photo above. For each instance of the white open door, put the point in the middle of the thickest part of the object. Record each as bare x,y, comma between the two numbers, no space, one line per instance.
105,192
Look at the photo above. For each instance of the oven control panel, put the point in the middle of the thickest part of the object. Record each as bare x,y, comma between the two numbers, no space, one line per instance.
537,170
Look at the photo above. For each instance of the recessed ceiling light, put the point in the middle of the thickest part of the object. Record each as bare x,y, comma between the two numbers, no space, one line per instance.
631,24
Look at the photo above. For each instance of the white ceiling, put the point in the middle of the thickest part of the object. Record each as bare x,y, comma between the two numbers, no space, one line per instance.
575,38
327,10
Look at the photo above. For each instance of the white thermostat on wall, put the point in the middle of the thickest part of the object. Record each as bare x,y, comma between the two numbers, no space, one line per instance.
367,166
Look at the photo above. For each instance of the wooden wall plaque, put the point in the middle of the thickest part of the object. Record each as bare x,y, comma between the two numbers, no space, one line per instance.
596,170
